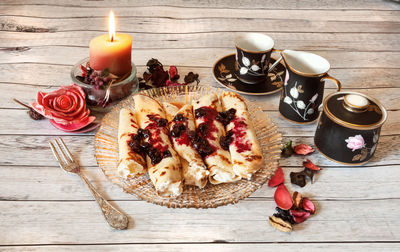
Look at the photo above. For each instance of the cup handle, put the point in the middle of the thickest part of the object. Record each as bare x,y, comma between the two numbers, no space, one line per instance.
337,82
277,61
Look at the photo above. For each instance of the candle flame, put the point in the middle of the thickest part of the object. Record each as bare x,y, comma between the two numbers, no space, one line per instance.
111,26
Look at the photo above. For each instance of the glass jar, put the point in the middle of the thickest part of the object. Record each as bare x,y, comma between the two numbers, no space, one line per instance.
118,91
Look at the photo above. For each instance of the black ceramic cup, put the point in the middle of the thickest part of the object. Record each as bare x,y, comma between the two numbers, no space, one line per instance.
253,54
303,88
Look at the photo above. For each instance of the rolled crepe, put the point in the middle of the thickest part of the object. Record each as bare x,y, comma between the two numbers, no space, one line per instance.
194,170
245,149
130,163
165,174
219,161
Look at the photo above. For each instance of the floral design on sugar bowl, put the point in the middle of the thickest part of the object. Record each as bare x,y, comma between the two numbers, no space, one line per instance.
292,99
357,142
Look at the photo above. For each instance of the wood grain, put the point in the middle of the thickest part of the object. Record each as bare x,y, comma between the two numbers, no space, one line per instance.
34,150
204,57
74,222
224,247
56,75
243,4
281,21
44,209
27,126
95,15
298,41
363,183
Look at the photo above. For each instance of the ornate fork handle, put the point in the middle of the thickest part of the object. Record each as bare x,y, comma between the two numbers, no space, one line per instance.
115,218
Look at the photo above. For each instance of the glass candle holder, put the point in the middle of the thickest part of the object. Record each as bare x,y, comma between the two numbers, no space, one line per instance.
118,90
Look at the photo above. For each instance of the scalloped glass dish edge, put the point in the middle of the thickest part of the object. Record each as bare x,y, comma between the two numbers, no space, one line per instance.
106,153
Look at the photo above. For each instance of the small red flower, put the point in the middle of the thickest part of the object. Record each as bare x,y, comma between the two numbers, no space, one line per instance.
308,164
277,179
303,149
282,197
173,73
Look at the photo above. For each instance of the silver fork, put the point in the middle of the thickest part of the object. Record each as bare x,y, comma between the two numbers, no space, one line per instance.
115,218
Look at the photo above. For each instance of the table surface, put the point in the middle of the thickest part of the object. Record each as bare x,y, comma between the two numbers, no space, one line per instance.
43,208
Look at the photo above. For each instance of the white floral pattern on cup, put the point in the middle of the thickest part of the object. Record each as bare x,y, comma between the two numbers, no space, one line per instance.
298,105
252,68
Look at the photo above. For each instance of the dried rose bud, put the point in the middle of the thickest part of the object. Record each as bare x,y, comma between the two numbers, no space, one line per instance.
287,150
35,115
173,73
303,149
277,179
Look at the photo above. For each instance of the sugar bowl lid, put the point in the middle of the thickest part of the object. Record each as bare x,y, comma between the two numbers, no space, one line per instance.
355,110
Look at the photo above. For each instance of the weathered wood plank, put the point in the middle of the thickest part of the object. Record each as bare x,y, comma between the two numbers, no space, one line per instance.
34,150
282,247
55,75
27,93
17,122
75,222
204,57
332,183
123,13
243,4
293,40
280,22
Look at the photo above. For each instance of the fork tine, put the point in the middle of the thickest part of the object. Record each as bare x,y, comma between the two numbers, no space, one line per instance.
66,149
61,163
62,152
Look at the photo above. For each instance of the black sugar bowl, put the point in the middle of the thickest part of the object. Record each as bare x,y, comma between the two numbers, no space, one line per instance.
349,127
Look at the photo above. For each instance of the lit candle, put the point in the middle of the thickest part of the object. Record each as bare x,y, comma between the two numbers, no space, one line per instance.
112,51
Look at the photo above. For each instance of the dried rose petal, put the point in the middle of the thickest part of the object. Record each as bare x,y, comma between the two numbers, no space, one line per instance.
282,197
277,179
308,205
308,164
303,149
299,216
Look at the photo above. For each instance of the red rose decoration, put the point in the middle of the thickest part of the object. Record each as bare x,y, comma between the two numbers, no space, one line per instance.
65,107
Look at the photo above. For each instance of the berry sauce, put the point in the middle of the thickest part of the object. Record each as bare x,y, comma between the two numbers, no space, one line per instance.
180,130
155,127
205,131
239,135
155,147
207,128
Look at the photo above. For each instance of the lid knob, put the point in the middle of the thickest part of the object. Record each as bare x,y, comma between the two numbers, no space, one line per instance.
356,103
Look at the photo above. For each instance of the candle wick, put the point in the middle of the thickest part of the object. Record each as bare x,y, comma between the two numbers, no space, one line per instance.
112,38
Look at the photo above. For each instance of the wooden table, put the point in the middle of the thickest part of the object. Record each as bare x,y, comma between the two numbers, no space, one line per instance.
42,208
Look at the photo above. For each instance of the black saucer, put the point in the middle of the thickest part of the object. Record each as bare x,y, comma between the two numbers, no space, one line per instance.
224,74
